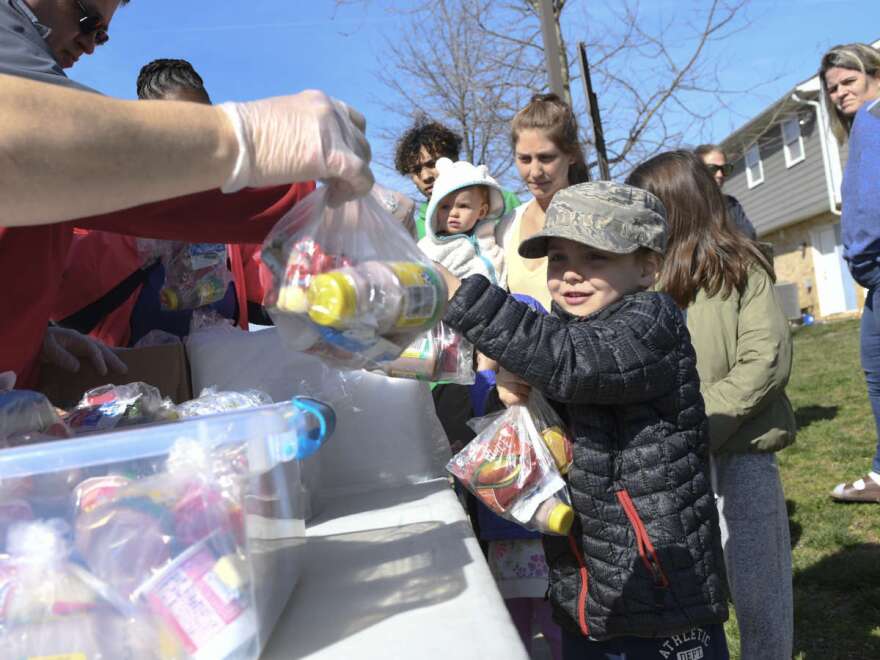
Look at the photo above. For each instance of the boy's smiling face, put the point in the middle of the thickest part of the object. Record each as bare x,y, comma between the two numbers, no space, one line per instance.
582,279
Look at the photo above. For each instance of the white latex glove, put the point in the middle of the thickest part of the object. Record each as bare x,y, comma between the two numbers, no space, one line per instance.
63,347
300,138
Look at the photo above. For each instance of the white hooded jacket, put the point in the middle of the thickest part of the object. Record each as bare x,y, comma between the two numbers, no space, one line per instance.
474,253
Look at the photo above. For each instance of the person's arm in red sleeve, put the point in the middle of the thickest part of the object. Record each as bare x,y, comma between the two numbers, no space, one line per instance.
207,217
97,154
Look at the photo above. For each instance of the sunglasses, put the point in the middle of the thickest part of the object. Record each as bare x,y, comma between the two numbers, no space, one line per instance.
726,169
90,23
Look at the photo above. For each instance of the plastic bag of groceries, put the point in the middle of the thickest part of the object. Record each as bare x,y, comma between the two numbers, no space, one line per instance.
552,430
440,355
27,417
110,406
348,284
196,274
211,401
54,608
510,469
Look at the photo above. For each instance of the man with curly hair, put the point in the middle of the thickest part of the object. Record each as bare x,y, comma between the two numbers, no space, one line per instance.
418,151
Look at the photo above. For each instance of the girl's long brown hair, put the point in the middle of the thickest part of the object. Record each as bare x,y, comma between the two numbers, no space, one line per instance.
553,116
704,250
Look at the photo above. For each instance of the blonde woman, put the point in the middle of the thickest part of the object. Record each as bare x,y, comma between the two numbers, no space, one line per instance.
850,78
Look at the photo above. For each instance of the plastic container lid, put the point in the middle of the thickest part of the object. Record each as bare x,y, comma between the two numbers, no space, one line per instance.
269,435
332,299
560,519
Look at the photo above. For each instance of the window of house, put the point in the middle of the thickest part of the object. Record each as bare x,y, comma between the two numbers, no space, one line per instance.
754,167
792,141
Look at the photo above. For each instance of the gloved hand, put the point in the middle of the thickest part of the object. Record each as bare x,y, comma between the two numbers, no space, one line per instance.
63,347
300,138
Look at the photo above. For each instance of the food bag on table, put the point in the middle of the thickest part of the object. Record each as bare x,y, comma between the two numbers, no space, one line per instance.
52,607
172,548
115,406
348,284
26,417
212,401
510,469
441,355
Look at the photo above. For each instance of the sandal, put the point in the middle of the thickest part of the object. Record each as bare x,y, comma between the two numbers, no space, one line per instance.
861,490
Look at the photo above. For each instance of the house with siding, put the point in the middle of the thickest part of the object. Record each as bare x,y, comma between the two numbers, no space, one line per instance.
787,171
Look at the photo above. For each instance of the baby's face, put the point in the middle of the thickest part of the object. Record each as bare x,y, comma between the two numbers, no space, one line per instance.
583,279
461,210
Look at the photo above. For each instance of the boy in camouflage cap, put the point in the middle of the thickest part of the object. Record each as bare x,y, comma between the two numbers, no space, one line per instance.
603,240
640,573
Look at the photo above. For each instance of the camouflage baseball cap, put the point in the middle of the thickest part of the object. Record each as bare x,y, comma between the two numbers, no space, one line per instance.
608,216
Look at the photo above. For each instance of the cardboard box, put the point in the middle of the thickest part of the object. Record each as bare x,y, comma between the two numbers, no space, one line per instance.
164,367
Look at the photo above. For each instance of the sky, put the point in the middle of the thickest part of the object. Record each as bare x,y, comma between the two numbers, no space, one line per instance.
248,49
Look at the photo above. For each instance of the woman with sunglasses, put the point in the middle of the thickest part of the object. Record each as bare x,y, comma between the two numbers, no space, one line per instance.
713,157
850,79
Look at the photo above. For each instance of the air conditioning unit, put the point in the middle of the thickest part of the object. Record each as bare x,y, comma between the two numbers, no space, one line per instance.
787,293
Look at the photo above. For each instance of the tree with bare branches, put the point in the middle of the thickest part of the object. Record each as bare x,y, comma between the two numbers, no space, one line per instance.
473,63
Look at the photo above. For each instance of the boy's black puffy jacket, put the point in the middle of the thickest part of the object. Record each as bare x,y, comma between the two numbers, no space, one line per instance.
644,555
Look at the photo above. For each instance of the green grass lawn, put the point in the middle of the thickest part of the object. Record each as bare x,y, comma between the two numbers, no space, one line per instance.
836,547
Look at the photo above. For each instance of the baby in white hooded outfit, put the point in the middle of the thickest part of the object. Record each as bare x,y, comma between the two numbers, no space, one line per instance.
460,221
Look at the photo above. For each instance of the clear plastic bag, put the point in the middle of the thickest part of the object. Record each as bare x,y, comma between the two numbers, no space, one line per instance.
510,470
27,417
151,250
212,401
53,607
348,284
547,423
110,406
157,337
208,317
441,355
552,430
195,275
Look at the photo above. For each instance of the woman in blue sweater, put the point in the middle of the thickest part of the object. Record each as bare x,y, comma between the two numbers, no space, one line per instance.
850,77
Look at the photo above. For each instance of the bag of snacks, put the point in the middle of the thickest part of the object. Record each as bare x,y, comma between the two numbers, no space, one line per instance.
510,469
348,284
441,355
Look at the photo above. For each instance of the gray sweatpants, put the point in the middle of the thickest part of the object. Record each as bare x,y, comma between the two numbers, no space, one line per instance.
757,552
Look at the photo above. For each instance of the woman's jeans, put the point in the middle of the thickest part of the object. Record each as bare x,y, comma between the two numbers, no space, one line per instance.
870,350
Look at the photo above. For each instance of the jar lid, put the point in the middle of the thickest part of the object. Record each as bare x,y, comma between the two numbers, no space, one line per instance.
560,519
332,299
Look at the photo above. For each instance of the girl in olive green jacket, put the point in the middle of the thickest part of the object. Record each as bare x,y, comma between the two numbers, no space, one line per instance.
743,345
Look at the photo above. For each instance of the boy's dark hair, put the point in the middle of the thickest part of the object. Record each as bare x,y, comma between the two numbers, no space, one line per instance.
435,137
162,76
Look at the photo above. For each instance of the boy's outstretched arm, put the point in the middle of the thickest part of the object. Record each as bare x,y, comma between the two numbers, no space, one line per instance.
633,355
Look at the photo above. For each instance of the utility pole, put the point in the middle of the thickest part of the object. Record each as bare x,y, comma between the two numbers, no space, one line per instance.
595,118
551,49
